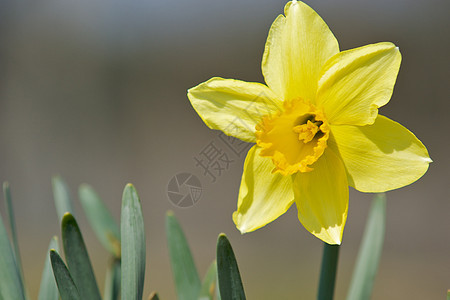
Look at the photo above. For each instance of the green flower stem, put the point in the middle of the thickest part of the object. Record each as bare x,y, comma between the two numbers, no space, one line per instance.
328,271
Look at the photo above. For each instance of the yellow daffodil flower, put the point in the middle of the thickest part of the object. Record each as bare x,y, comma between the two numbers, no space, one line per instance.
315,124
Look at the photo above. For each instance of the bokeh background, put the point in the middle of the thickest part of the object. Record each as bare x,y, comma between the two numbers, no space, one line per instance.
95,90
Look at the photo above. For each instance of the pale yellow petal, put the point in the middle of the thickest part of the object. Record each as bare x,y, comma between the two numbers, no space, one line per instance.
297,48
272,62
263,196
233,106
380,157
356,82
322,198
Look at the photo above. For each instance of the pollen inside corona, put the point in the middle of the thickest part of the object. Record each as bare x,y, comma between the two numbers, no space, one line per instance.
294,138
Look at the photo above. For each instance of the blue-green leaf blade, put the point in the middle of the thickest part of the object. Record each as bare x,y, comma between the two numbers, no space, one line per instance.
77,259
66,286
62,197
12,224
187,281
10,282
230,283
370,251
209,282
133,245
102,222
112,280
48,289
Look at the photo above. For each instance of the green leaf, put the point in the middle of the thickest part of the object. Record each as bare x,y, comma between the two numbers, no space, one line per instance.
66,285
12,225
370,251
230,283
328,270
217,288
10,282
112,280
100,219
187,281
209,283
78,259
133,245
153,296
48,289
61,194
448,295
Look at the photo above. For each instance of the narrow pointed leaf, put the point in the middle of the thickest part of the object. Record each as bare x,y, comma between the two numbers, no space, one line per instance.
12,224
230,283
187,281
100,219
133,245
112,281
48,289
209,283
10,282
66,285
78,259
61,195
370,251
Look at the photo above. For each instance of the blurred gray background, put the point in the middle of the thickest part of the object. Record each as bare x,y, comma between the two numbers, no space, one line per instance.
95,90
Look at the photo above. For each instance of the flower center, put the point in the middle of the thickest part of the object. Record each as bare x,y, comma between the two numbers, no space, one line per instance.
307,132
294,138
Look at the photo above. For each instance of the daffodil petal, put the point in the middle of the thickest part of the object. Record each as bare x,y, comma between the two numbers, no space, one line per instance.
297,48
356,82
263,195
272,62
233,106
322,198
380,157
